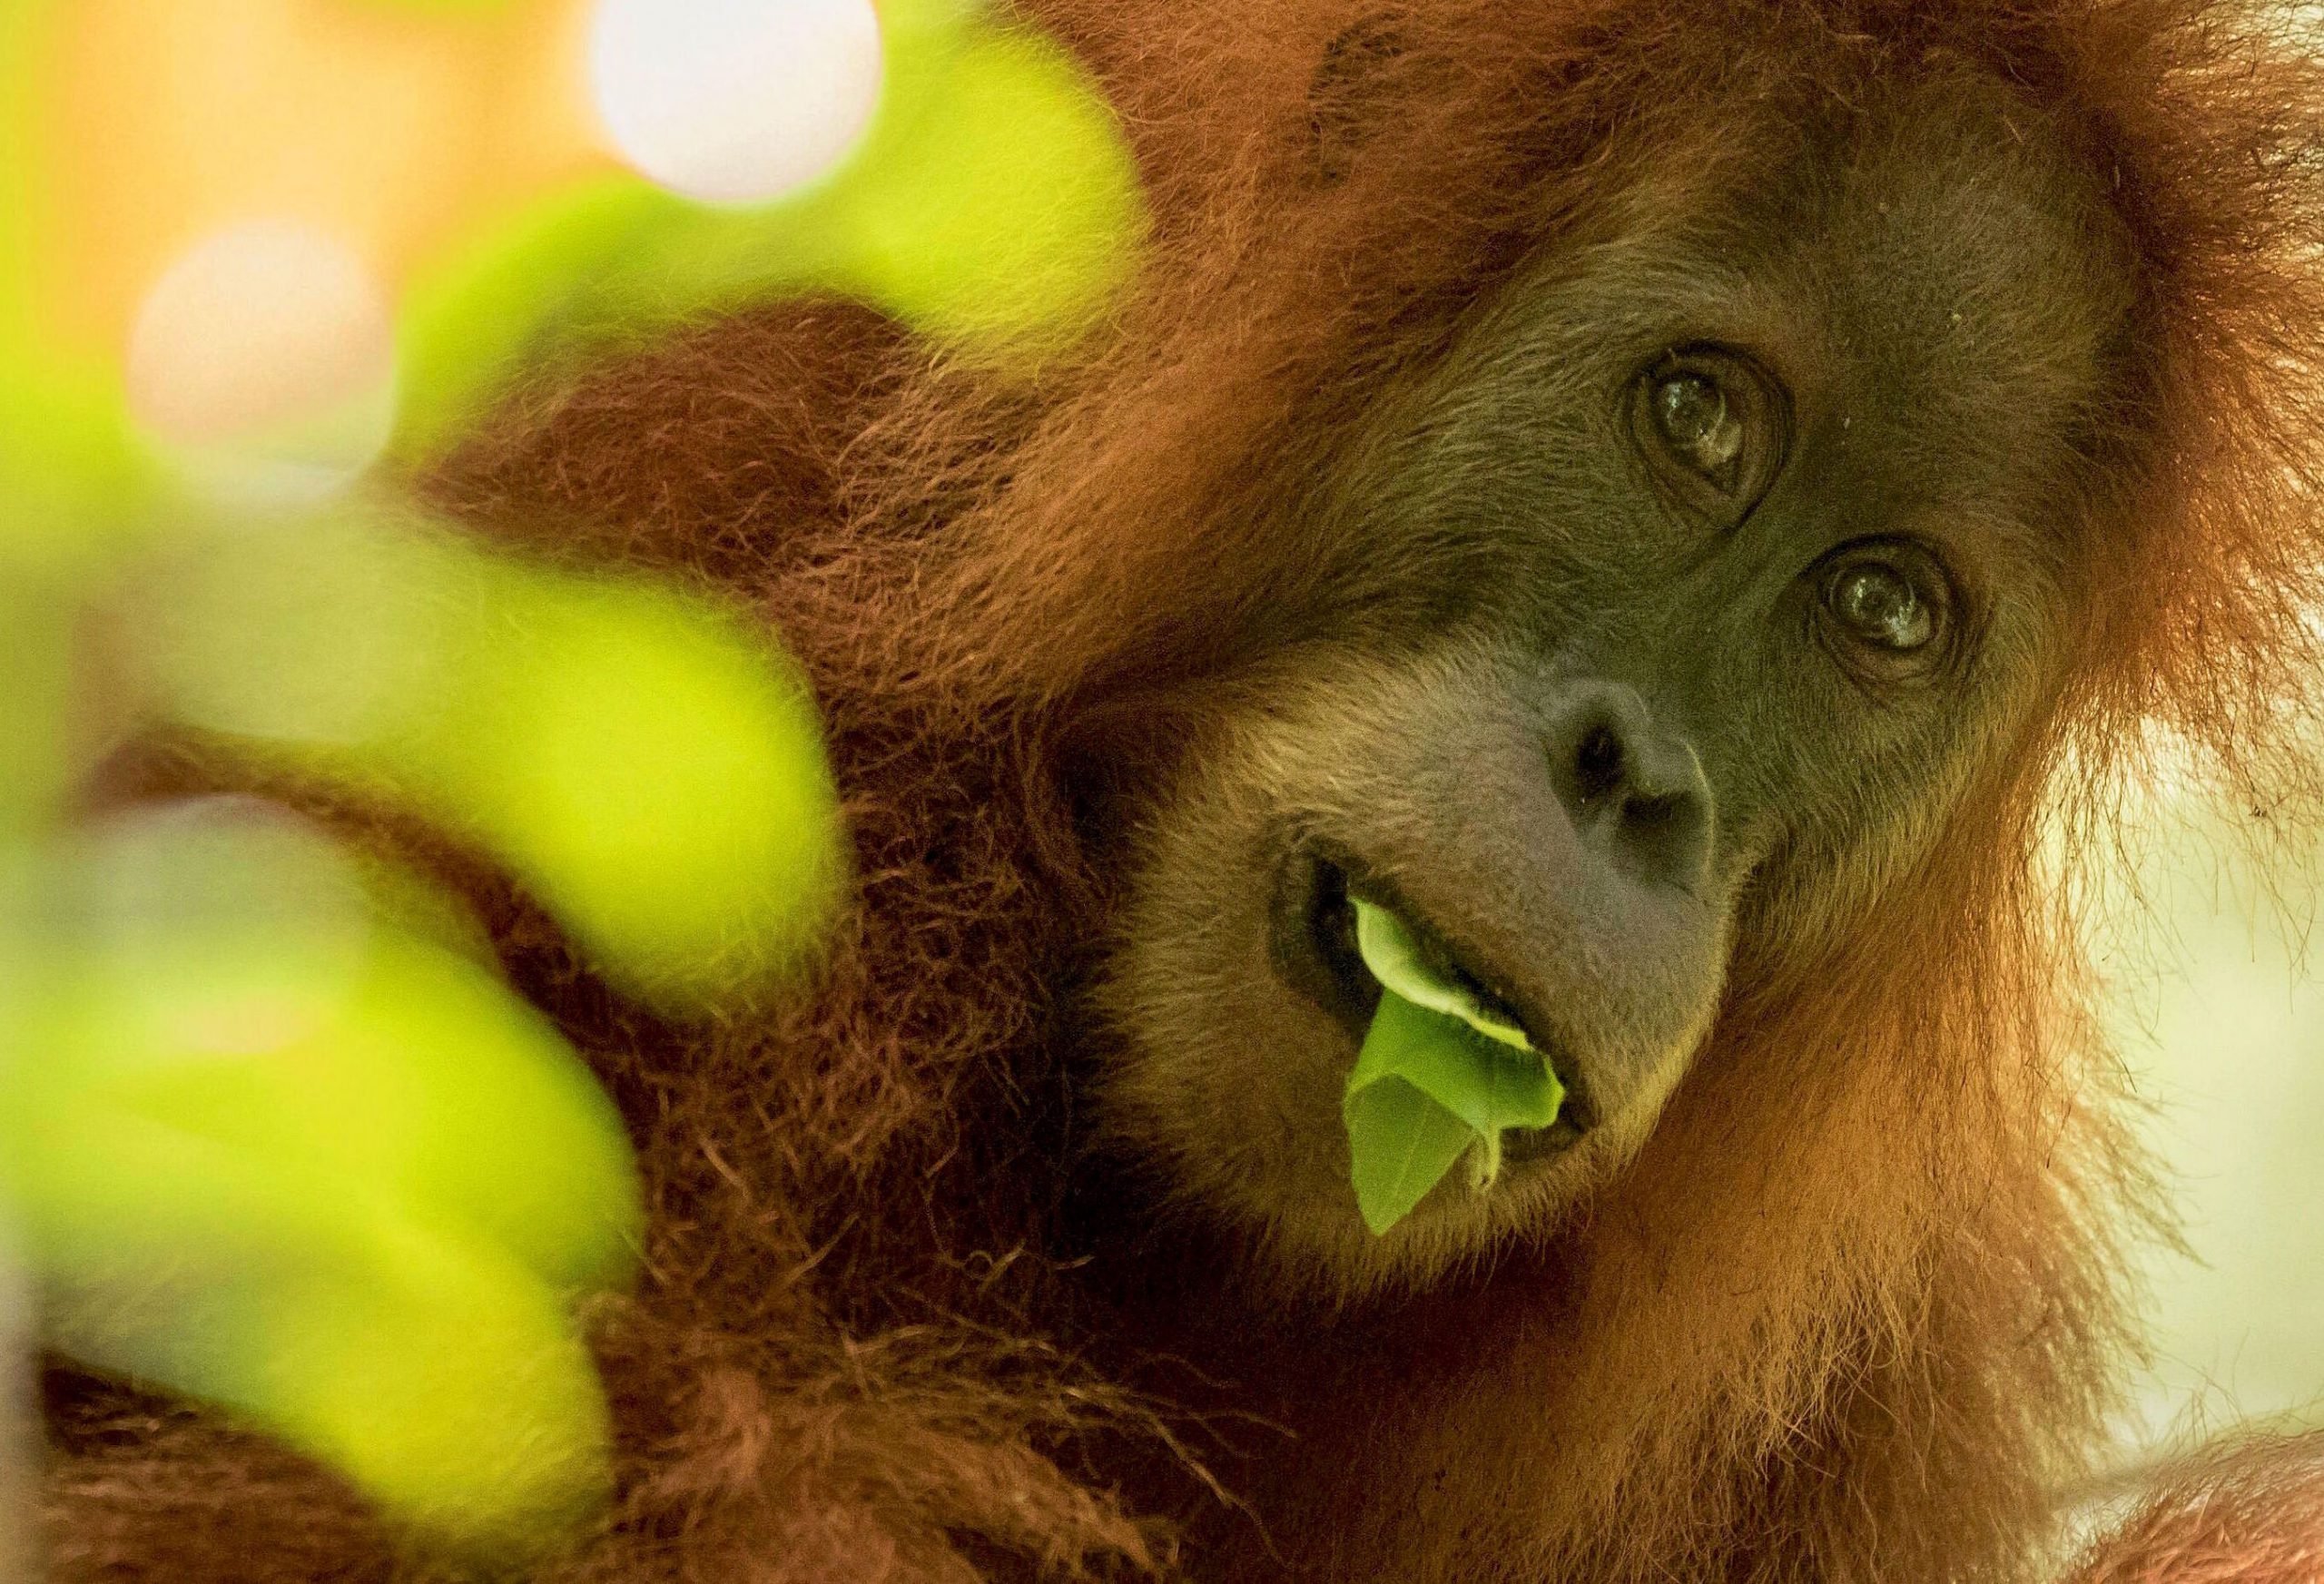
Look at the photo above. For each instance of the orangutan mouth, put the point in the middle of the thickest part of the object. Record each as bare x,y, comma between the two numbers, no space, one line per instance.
1316,952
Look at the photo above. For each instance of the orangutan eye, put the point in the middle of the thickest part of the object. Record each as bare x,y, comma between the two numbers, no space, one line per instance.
1889,603
1710,423
1878,605
1696,424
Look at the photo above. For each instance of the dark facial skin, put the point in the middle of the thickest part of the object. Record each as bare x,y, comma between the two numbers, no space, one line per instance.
1715,557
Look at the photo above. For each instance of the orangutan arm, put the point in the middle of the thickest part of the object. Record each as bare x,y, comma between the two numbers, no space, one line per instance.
2249,1511
884,1467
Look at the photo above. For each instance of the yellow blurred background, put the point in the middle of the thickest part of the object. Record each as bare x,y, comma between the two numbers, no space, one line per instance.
2217,1007
176,120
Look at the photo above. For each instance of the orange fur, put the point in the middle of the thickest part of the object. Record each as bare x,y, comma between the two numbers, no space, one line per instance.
1855,1312
2248,1513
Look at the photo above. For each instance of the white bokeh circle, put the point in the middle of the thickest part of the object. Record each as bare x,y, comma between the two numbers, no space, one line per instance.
264,358
734,100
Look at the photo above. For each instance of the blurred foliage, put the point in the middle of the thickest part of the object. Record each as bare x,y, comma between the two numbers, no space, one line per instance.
274,1149
643,764
992,205
273,1132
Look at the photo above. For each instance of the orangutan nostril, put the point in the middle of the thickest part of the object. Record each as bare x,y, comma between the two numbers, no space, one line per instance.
1599,765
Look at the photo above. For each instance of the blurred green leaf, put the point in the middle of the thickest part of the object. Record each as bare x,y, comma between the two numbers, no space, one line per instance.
275,1133
649,765
510,299
272,1151
993,205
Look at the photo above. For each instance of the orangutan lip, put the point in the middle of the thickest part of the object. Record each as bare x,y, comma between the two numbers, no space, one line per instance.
1331,924
1330,932
1314,949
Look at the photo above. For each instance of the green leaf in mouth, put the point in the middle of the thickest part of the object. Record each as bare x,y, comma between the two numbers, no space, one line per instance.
1438,1077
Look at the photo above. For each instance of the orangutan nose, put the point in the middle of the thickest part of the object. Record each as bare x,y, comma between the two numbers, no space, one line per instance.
1635,794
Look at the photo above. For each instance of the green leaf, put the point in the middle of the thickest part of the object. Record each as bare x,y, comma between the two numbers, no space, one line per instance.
1436,1078
1397,961
1404,1144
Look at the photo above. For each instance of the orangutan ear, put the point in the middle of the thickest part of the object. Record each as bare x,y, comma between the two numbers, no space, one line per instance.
1353,87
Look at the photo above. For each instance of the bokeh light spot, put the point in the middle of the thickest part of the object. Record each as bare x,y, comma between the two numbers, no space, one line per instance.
734,100
264,359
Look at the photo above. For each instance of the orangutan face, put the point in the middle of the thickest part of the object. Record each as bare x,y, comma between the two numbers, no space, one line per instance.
1713,561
